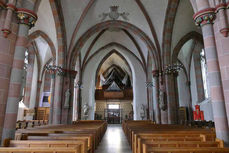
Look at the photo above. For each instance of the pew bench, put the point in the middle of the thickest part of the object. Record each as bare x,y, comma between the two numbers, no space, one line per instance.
48,144
39,150
184,150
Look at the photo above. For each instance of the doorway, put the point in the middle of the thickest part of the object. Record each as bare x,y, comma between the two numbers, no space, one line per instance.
113,114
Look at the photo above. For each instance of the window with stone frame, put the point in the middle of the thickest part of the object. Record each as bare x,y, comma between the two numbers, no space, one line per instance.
204,73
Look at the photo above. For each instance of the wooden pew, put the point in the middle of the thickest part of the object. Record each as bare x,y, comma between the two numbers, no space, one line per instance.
89,131
82,144
184,150
90,148
145,137
38,150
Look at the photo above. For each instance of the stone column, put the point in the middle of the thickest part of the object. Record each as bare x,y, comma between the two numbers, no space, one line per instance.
24,15
52,90
204,18
47,82
9,16
156,108
163,109
68,92
57,107
39,83
171,99
6,60
221,10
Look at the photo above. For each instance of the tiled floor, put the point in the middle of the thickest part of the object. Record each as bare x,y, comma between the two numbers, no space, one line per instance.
114,141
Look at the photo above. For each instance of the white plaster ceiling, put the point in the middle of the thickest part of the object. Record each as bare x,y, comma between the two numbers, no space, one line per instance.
72,10
136,17
87,45
117,37
185,53
183,22
45,22
156,10
114,59
157,15
44,50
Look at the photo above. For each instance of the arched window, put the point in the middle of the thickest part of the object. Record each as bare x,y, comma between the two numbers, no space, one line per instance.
204,73
26,62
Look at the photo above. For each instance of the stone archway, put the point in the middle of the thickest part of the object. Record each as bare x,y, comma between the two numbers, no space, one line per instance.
88,80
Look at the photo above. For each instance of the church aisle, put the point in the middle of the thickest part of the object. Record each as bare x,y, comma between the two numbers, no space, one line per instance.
114,141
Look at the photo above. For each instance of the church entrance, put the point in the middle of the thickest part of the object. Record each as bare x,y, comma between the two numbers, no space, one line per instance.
113,114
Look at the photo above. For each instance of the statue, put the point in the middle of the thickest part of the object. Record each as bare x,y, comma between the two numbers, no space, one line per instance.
143,112
162,103
85,110
67,98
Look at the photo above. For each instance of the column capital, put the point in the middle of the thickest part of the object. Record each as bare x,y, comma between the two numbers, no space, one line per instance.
26,17
71,73
206,16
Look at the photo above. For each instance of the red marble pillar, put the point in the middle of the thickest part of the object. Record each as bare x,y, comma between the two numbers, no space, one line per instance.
29,76
205,18
17,69
6,60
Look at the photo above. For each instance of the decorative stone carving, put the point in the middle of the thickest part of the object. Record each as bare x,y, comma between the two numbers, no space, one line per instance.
26,17
85,111
143,111
114,14
204,17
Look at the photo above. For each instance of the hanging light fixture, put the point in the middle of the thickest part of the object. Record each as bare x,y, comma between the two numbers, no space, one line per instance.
54,69
173,68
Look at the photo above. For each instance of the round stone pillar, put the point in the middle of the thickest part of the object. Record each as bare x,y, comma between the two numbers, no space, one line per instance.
57,99
156,107
205,18
171,99
24,15
221,11
163,102
52,90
